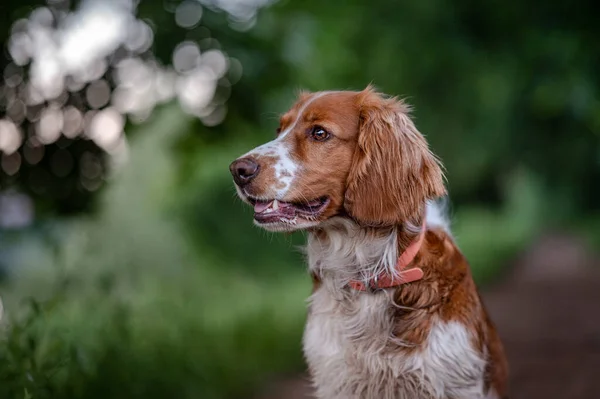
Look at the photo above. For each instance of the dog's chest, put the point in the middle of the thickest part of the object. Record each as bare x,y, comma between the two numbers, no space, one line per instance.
348,347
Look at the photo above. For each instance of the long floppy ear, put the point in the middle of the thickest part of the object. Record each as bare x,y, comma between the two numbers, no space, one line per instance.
393,171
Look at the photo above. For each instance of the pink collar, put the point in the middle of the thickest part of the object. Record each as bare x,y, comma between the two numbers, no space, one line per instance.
403,276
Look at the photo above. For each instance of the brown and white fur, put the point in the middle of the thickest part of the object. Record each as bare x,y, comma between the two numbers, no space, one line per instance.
352,169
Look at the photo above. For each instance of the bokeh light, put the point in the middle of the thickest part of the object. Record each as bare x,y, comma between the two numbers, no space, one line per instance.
84,71
67,52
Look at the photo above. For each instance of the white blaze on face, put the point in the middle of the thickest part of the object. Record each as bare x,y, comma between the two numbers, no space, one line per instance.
285,167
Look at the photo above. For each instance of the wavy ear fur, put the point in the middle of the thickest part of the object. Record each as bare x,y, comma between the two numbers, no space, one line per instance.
393,171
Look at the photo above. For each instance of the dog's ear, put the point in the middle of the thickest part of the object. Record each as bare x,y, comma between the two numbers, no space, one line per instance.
393,171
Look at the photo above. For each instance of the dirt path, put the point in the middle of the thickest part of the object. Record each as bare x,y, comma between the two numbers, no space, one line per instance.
548,314
547,311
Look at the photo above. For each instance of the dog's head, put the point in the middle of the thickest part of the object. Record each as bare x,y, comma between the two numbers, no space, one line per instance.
342,153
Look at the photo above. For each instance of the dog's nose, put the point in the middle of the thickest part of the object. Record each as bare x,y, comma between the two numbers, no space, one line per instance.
243,170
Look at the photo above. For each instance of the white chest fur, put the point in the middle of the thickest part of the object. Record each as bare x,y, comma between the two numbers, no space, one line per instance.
345,346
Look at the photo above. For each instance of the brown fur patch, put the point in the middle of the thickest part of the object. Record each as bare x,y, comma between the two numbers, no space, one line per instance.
448,290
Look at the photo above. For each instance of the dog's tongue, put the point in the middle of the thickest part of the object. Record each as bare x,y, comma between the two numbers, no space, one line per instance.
261,206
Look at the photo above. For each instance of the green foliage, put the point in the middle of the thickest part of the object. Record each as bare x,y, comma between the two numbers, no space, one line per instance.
29,362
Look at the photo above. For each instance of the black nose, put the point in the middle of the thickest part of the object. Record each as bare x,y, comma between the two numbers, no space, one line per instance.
243,170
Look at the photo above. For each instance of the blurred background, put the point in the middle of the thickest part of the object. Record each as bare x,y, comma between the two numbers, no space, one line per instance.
129,269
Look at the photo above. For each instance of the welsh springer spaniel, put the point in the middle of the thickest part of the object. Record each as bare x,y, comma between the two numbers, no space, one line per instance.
394,311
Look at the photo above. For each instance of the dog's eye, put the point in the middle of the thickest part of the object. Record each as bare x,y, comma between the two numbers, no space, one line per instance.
277,131
318,133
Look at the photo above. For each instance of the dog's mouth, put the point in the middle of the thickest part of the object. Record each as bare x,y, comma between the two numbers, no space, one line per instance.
275,211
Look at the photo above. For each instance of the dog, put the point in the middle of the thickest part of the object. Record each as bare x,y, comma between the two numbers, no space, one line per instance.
394,311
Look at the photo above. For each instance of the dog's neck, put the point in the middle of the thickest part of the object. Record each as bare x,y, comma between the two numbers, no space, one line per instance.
341,250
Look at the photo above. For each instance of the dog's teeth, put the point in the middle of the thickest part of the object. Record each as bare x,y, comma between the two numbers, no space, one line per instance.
275,205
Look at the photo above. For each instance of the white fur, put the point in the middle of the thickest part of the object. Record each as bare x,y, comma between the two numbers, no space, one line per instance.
286,169
345,344
436,215
349,342
350,252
